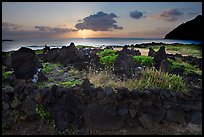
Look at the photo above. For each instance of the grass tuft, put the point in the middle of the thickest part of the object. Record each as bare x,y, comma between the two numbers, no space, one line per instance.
150,78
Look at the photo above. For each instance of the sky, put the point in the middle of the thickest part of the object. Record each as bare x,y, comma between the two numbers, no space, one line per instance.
25,20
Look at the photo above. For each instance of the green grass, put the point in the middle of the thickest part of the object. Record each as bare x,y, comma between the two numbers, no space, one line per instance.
6,74
39,51
107,57
70,83
188,67
143,60
49,67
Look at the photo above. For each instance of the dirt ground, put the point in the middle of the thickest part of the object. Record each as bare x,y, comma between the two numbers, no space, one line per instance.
39,127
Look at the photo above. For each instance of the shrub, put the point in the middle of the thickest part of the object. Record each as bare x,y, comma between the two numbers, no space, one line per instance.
106,52
143,60
107,57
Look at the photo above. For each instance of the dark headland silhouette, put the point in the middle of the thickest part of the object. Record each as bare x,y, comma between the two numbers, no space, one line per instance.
191,30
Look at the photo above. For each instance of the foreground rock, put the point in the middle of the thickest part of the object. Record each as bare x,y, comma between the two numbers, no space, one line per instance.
124,65
25,63
159,57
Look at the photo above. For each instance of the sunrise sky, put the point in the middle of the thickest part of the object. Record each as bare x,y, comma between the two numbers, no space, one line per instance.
21,20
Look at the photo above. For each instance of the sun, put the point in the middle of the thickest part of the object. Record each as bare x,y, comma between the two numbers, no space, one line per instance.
84,33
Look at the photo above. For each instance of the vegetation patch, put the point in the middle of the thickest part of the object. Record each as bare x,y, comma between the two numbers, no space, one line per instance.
143,60
107,57
39,51
44,114
150,78
6,74
188,67
70,83
49,67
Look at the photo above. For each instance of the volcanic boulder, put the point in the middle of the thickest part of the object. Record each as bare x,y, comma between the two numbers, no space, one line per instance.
25,63
159,57
124,65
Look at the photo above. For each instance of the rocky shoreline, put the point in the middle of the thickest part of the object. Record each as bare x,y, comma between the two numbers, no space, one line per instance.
86,109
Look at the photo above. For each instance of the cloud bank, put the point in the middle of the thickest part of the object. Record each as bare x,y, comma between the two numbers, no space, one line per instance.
99,22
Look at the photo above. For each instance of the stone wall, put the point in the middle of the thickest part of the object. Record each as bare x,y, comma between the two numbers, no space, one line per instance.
106,108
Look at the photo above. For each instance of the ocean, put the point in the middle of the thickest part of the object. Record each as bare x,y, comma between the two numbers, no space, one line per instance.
53,43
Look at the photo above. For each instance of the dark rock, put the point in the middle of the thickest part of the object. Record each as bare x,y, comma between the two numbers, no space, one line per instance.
190,30
146,121
8,89
195,117
123,112
135,94
64,111
25,63
108,90
15,104
136,102
178,71
52,55
124,65
165,93
6,106
30,107
6,61
157,103
189,106
100,95
59,92
46,49
147,93
104,100
151,52
98,117
12,79
175,114
156,114
165,66
40,95
86,85
42,77
159,57
133,112
147,103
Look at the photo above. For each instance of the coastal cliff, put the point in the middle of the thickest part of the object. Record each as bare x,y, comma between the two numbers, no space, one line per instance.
190,30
